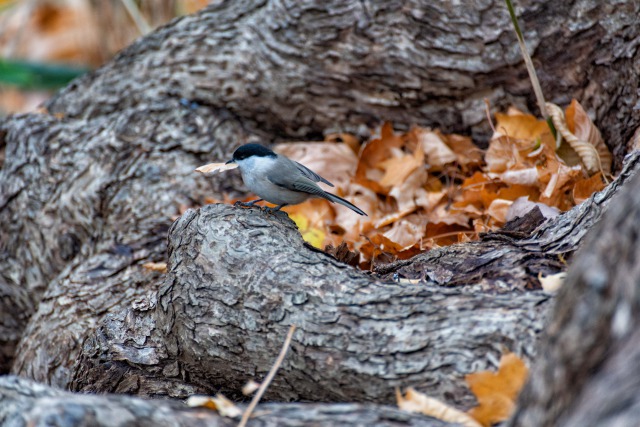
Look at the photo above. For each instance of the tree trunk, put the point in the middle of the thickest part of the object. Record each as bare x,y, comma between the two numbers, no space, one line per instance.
298,69
88,194
238,278
23,402
588,371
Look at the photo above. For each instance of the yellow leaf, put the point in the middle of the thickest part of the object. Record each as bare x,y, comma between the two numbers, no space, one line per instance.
312,235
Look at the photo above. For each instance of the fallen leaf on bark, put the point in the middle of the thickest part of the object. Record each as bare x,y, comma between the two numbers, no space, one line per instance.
517,125
250,387
224,406
156,266
552,282
497,392
414,401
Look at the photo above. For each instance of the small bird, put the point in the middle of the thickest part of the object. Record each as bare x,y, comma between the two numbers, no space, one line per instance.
279,180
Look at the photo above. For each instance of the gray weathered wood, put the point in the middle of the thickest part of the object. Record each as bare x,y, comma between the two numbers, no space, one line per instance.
238,278
85,200
587,372
303,68
24,402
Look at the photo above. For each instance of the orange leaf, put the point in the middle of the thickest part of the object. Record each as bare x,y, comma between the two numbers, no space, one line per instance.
497,391
373,153
397,169
586,187
520,126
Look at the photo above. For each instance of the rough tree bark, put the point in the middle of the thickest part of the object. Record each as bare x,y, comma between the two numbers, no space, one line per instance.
86,199
25,402
588,371
301,68
238,278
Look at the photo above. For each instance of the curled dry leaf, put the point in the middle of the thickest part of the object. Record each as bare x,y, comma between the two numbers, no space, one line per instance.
346,138
407,231
310,218
220,403
398,168
368,172
522,205
216,167
588,144
414,401
584,129
527,176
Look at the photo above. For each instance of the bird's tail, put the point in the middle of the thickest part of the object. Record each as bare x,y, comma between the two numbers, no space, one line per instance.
335,199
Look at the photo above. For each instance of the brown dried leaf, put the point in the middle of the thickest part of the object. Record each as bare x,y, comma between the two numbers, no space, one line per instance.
374,152
584,129
498,210
584,188
397,169
438,153
407,231
468,154
586,144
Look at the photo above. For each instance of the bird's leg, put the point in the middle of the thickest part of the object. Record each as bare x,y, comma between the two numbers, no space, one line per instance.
249,204
276,209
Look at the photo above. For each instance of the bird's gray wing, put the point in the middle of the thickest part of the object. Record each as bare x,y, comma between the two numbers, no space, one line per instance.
311,174
300,183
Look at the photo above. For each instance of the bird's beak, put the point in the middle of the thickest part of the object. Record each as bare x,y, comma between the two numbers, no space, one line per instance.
228,161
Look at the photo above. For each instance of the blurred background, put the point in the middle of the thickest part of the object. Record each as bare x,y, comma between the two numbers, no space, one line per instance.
46,43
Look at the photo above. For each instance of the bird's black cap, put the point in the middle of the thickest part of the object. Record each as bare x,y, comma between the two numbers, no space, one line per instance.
249,150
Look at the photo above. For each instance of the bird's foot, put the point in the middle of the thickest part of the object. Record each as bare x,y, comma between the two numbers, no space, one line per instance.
250,204
274,210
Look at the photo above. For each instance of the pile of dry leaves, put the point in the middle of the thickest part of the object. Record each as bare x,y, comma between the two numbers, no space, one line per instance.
423,189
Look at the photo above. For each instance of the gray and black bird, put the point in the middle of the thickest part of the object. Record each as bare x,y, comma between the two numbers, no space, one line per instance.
280,180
